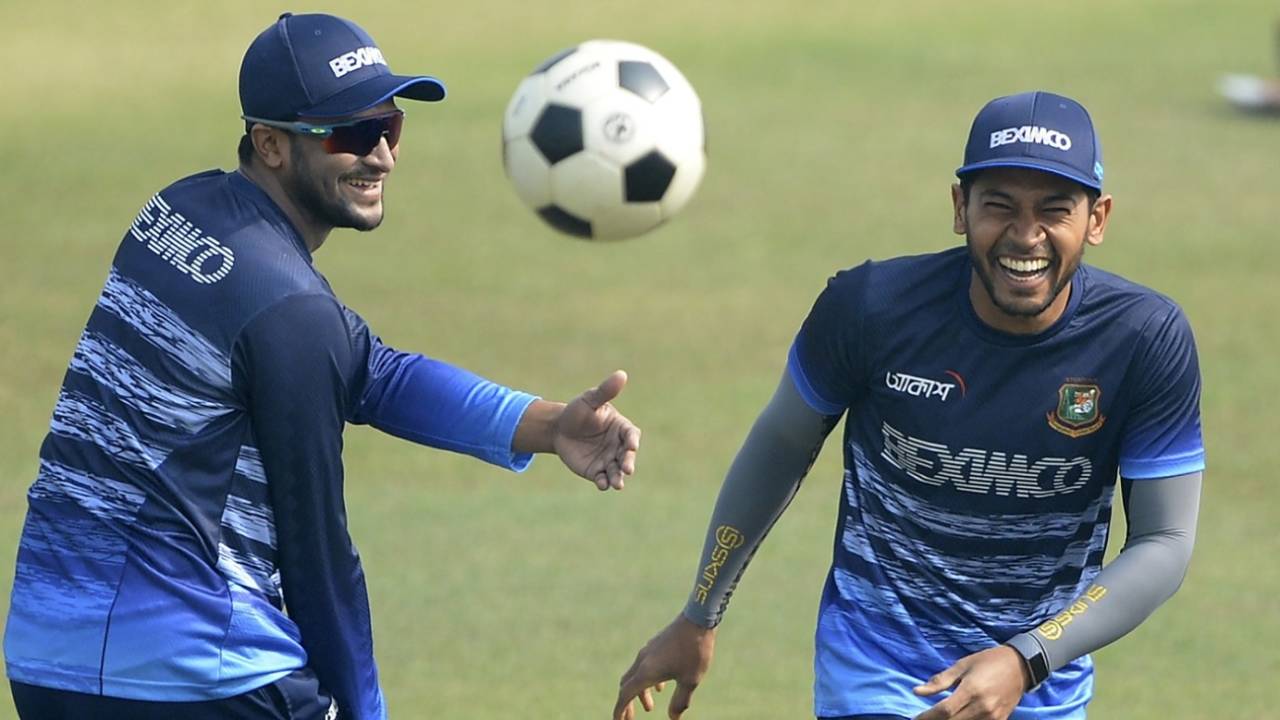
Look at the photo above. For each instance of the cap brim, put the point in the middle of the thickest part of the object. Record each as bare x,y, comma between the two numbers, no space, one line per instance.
1048,166
375,90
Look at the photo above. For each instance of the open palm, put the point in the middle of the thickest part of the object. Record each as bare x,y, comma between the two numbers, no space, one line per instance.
596,441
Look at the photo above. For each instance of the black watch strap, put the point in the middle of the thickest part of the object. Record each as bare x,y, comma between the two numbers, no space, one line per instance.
1033,655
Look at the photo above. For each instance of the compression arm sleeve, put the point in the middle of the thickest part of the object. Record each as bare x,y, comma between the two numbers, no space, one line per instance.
761,482
1161,516
296,363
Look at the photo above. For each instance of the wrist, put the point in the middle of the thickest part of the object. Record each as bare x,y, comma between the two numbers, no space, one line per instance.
700,620
1035,661
537,429
695,626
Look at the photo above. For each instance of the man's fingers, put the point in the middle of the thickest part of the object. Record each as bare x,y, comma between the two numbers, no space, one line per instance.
631,441
632,685
628,466
944,680
953,708
630,445
607,390
680,700
623,710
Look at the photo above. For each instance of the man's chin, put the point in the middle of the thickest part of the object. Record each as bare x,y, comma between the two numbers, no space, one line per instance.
1022,307
363,222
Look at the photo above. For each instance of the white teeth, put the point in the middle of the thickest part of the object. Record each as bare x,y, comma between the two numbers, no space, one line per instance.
1025,266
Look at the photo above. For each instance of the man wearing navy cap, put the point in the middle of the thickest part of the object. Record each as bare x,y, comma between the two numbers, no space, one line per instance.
991,396
185,552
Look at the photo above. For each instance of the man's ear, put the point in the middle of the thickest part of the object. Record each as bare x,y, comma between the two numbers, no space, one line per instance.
271,145
958,225
1098,217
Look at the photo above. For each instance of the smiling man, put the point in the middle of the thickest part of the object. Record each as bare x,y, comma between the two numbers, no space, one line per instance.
186,551
992,394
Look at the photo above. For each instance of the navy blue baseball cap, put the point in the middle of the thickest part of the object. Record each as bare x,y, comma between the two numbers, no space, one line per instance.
319,65
1037,130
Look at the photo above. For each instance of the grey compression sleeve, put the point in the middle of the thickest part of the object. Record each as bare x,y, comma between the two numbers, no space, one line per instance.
1161,515
763,478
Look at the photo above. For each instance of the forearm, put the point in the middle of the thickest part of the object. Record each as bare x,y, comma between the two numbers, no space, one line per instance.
1146,573
761,482
437,404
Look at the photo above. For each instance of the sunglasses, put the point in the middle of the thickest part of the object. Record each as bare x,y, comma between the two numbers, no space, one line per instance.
357,137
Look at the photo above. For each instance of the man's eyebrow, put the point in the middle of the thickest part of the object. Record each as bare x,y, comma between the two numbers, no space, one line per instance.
1059,197
994,193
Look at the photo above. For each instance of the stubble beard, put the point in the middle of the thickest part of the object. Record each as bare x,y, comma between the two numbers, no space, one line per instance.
307,186
987,266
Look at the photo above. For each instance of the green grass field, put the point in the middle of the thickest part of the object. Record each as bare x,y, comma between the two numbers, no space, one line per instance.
834,130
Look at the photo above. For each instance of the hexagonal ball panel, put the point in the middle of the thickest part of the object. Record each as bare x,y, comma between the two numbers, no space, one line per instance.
580,77
625,221
646,179
642,79
619,126
585,184
558,132
528,171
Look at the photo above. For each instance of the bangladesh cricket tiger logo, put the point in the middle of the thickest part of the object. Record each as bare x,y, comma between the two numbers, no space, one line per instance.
1078,411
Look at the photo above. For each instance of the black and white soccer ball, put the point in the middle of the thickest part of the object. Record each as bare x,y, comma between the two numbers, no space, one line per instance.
605,140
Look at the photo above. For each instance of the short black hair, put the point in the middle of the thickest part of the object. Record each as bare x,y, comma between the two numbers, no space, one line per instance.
245,151
966,182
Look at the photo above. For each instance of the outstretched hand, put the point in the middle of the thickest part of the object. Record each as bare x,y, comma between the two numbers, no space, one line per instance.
681,652
596,441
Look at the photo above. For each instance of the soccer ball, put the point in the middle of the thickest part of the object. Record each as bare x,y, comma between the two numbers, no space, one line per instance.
604,140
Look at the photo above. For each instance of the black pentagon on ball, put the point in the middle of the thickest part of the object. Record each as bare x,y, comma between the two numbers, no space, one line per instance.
558,132
565,222
647,179
551,61
642,79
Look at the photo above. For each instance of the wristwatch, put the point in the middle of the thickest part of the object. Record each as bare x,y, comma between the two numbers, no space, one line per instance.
1033,655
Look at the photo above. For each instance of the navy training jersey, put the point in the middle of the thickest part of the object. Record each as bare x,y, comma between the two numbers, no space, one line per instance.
186,537
979,467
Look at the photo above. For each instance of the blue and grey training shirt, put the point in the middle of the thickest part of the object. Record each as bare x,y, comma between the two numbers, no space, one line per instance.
186,537
980,467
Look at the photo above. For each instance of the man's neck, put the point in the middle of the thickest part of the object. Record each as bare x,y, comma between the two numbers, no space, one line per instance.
993,316
313,235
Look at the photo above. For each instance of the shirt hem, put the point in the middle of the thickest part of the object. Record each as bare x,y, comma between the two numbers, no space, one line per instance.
132,689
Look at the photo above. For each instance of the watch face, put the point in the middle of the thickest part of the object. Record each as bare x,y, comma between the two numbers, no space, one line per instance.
1033,654
1038,664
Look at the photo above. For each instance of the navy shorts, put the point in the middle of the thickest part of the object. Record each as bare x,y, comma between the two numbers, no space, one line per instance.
296,696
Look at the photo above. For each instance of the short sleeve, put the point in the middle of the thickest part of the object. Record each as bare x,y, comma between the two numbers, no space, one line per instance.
825,361
1162,436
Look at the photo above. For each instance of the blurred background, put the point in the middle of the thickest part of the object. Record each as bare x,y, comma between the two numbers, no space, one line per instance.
834,131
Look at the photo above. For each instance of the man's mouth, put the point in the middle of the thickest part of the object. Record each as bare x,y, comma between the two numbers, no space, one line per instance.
1023,270
365,186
